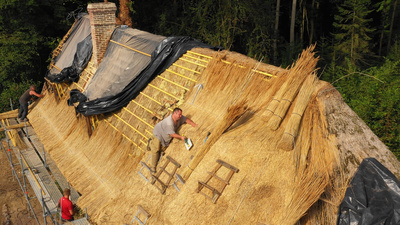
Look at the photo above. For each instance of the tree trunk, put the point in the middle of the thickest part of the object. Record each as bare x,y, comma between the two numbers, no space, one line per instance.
391,25
303,21
292,27
123,16
384,16
276,29
312,21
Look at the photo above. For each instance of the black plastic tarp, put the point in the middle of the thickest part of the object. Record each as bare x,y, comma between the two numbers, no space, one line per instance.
373,197
81,59
166,53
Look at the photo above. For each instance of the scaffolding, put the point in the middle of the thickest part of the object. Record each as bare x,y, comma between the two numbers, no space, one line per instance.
39,171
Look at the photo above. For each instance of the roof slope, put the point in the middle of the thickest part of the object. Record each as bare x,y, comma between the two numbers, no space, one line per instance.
291,137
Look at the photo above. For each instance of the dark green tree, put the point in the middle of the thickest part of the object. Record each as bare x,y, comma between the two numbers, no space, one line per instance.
374,94
29,31
353,32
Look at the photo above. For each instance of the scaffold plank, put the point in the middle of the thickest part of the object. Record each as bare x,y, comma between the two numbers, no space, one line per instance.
36,163
81,221
38,192
59,177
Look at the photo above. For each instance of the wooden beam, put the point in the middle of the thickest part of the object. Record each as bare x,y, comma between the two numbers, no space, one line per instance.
16,126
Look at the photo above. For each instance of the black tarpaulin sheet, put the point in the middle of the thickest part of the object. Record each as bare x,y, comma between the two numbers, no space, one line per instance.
81,59
373,197
166,53
128,53
75,53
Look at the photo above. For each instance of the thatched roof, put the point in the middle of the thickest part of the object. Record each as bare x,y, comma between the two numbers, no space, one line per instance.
293,140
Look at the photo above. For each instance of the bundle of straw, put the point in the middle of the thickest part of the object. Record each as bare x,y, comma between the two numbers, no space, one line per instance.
232,115
14,113
277,98
292,127
317,161
9,114
17,140
304,66
15,126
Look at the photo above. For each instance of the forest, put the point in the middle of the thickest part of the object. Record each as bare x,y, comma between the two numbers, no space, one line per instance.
358,42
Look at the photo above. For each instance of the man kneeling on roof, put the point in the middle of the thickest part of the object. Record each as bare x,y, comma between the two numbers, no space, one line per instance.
163,133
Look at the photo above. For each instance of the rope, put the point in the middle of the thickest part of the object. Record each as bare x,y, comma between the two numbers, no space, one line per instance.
275,100
297,114
278,116
289,134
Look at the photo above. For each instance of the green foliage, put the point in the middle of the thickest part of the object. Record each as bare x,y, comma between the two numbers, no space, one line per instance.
29,31
243,26
224,17
11,94
352,35
374,94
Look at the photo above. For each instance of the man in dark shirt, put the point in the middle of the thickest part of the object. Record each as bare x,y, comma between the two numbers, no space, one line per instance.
24,99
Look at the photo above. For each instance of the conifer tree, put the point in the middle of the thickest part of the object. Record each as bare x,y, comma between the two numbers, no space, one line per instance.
353,31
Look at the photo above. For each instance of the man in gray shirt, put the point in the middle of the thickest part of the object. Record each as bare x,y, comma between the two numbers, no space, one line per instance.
163,133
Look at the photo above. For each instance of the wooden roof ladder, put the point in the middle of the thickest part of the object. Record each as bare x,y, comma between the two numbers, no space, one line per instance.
216,192
169,175
141,211
144,165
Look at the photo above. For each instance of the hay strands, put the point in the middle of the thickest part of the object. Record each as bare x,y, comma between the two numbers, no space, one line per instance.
304,66
292,127
231,116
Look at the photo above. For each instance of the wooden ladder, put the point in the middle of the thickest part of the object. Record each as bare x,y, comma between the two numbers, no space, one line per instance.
170,175
142,212
216,193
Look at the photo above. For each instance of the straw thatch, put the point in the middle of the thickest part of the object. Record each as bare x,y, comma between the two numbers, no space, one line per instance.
287,92
14,113
291,130
15,126
239,95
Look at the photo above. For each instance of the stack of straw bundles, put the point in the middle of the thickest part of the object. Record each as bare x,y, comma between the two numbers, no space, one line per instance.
288,91
292,127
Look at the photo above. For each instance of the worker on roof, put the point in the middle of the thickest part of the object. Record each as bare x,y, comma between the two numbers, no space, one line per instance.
163,133
23,102
67,208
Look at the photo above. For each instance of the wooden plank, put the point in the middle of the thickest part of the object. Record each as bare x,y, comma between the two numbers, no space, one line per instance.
59,177
38,192
227,165
16,126
35,162
81,221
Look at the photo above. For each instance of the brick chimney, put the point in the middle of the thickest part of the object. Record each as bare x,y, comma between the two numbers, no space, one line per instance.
102,22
